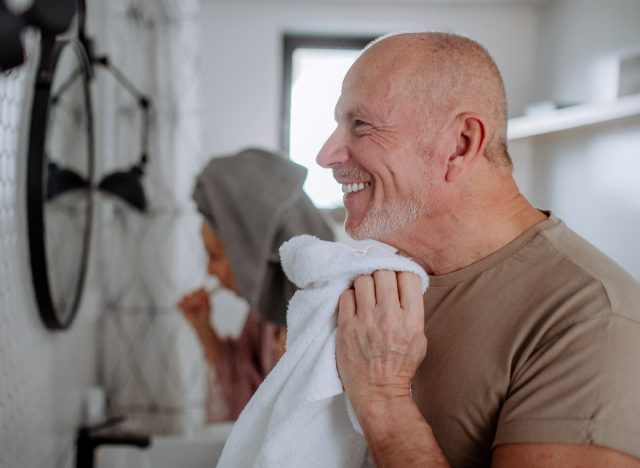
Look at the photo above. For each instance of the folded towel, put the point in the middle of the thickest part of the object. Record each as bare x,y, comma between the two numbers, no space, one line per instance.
299,416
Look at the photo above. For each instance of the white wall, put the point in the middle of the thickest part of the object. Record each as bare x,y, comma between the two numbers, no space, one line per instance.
588,176
43,374
578,39
243,54
150,361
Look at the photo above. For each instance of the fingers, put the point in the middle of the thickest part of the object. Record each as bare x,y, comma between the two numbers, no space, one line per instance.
346,306
411,300
409,290
379,288
386,287
197,294
365,292
195,301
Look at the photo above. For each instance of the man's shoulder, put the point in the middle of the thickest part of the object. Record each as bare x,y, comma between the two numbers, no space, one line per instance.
579,264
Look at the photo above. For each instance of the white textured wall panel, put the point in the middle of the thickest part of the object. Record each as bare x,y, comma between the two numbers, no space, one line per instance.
42,374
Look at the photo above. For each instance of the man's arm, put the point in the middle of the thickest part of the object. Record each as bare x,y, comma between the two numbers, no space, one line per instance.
398,436
380,345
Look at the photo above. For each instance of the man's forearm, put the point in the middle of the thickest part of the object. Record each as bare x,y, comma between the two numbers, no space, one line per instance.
398,435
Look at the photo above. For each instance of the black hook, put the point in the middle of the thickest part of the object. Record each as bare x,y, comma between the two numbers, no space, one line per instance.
52,17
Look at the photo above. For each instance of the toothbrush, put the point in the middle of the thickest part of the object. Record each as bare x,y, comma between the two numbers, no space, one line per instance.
214,289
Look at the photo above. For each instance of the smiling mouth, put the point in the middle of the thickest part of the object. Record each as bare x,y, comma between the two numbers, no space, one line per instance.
354,187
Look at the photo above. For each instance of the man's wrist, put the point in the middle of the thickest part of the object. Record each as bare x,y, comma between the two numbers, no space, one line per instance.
395,428
376,411
381,397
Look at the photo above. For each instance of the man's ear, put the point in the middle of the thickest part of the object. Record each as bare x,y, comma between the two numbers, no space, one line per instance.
471,139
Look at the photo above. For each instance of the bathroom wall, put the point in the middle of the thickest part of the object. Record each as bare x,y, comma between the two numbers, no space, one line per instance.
150,363
589,176
243,54
128,336
43,375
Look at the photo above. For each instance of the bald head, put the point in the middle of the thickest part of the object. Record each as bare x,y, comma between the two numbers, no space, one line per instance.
446,74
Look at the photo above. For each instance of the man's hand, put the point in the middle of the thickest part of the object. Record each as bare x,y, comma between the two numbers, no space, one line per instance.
380,341
380,345
196,308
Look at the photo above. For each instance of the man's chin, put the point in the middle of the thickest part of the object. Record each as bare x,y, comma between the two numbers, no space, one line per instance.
354,229
366,230
357,235
383,224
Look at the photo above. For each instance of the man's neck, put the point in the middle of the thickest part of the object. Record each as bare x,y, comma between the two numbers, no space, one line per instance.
458,238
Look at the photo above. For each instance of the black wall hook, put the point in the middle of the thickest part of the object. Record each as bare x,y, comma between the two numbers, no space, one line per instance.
51,17
126,184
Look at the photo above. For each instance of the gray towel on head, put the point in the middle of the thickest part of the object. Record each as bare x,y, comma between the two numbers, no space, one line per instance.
254,201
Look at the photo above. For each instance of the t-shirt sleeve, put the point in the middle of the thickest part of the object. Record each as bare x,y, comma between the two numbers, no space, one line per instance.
580,386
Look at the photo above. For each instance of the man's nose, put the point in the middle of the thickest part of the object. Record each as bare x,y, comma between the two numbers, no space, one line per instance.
334,152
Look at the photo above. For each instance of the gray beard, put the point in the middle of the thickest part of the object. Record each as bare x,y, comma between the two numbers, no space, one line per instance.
380,222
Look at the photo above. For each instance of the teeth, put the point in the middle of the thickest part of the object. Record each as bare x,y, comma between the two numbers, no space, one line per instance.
354,187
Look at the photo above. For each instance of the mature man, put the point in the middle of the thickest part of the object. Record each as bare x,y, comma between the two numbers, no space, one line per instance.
534,335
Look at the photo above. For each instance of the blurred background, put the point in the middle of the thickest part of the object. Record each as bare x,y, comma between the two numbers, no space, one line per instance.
225,75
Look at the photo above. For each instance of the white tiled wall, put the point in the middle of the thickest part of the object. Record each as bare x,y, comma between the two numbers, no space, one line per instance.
42,374
150,363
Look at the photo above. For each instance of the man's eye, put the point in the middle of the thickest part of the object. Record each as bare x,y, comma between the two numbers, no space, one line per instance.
359,123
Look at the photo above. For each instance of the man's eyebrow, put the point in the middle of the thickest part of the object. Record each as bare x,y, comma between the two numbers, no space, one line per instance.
351,114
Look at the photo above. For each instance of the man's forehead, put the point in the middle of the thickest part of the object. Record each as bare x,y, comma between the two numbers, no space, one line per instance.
363,93
357,96
380,66
348,108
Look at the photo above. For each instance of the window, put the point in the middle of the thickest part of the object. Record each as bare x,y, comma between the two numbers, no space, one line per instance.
313,71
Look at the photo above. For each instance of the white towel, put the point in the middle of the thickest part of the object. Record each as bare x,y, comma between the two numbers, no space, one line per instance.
298,417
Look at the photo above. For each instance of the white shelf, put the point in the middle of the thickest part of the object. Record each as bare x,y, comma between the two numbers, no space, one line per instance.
573,117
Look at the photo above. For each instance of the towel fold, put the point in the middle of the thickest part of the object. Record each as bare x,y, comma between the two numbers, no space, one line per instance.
300,415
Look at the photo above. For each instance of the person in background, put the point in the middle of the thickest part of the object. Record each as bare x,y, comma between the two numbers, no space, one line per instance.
533,335
251,202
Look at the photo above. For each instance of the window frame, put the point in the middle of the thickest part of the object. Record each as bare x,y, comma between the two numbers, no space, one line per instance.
291,42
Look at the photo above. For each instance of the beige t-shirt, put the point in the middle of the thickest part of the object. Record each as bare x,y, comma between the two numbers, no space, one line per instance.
538,343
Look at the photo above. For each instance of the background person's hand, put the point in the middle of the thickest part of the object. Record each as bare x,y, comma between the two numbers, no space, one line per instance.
380,341
196,308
